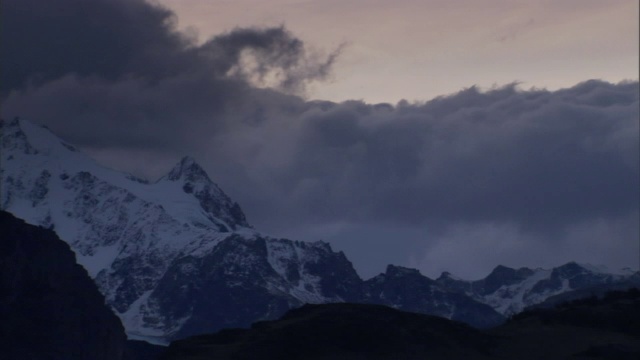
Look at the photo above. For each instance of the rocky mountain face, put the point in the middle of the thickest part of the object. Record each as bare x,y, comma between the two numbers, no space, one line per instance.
177,257
597,290
509,291
50,308
245,279
172,257
406,289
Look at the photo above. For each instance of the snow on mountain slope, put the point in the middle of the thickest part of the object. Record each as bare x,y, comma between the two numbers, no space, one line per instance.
128,232
509,291
176,257
95,208
512,298
603,269
406,289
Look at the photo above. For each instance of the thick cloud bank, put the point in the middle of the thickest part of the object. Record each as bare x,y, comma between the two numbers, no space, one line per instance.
501,169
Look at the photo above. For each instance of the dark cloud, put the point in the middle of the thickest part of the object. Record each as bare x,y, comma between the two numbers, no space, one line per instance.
111,39
270,57
45,40
117,79
117,74
537,158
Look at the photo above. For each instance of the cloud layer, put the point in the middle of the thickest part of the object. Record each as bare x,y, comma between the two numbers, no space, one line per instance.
530,166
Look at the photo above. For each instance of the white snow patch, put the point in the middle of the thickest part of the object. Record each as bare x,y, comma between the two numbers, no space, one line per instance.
106,216
511,299
102,258
603,269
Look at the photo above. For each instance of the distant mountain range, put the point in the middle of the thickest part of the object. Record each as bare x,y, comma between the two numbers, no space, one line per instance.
509,291
177,257
51,309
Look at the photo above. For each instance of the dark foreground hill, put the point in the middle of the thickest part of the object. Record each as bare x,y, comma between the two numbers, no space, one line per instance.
595,328
340,331
606,327
49,307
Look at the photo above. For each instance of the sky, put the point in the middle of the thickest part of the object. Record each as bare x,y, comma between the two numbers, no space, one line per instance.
439,135
420,49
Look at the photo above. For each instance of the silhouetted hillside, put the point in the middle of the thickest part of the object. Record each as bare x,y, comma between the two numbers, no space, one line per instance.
588,328
611,312
340,331
50,308
592,328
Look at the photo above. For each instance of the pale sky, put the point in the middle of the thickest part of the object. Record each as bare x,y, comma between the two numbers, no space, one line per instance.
416,50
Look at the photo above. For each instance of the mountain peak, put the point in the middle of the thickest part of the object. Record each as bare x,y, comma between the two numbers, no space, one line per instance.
187,169
193,179
502,269
12,134
394,270
445,275
31,138
187,161
10,123
603,269
502,272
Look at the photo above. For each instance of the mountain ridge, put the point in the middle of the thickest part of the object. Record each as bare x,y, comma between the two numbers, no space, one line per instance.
527,287
177,256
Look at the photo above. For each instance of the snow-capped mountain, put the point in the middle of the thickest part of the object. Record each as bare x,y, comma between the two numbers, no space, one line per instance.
147,243
509,290
177,257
